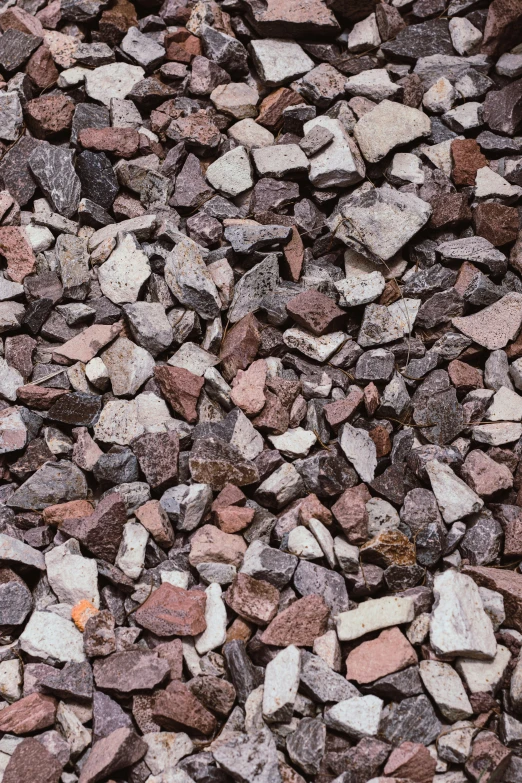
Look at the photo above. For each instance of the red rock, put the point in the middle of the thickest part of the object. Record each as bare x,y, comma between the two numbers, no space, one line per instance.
293,253
49,115
32,713
157,454
311,507
18,253
181,388
371,398
467,160
239,346
181,47
464,377
231,519
31,761
388,653
337,413
210,544
272,107
230,495
350,512
115,22
489,759
214,693
18,19
172,652
503,27
381,438
51,15
54,515
39,397
120,749
19,351
248,388
411,761
507,583
449,210
123,142
178,709
253,599
100,532
155,520
484,475
172,611
315,312
41,68
300,624
496,223
274,417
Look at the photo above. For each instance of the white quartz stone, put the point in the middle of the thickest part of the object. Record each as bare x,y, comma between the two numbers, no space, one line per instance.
358,717
131,554
484,676
281,683
73,578
373,615
446,689
360,450
48,635
454,498
215,633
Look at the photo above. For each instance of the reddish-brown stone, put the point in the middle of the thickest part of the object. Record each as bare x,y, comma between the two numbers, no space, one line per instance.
86,345
337,413
18,253
412,762
32,713
371,398
253,599
158,453
293,253
230,495
464,377
31,761
272,107
155,520
449,210
484,475
300,624
172,652
231,519
503,27
172,611
248,388
381,438
54,515
210,544
122,748
123,142
19,351
389,547
488,760
181,388
101,532
178,709
388,653
312,508
467,160
239,346
507,583
41,68
214,693
18,19
49,115
274,417
350,512
315,312
496,223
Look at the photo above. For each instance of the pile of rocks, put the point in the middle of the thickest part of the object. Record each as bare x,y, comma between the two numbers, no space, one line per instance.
260,391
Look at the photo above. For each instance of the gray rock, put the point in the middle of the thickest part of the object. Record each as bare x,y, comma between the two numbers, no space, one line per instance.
11,117
13,550
149,325
271,565
53,169
189,280
15,600
306,745
312,579
321,683
54,482
411,720
142,49
247,238
250,758
253,286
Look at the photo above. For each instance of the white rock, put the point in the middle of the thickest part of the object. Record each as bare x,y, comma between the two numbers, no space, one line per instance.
13,432
188,278
365,35
165,749
303,544
40,238
417,632
407,167
250,134
388,126
76,735
446,689
493,604
454,498
8,289
186,504
497,434
381,516
72,77
506,406
358,717
484,676
15,550
112,81
278,62
73,578
515,688
459,625
358,265
465,37
119,423
324,539
328,648
280,161
246,438
219,573
454,746
231,173
154,416
10,380
489,184
360,450
373,615
509,65
339,164
47,635
131,554
193,358
281,683
318,348
464,117
215,633
97,373
123,274
360,290
374,84
129,366
440,97
176,578
294,443
11,680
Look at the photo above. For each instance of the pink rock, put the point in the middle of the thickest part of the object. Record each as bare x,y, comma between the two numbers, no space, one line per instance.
123,142
411,761
389,653
350,512
337,413
210,544
155,520
32,713
86,452
17,251
231,519
484,475
248,388
253,599
86,345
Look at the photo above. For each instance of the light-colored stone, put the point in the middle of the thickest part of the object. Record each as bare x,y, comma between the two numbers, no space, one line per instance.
339,164
47,635
215,633
318,348
128,365
18,552
280,161
302,542
73,578
231,173
165,749
123,274
188,278
294,443
465,37
10,379
357,717
76,735
454,498
360,450
446,689
364,35
11,680
440,97
131,554
360,290
489,185
281,683
112,81
506,406
407,167
374,84
497,434
250,134
278,62
388,126
484,676
374,615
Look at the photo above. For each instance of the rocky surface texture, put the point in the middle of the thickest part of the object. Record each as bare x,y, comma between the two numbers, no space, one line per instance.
260,391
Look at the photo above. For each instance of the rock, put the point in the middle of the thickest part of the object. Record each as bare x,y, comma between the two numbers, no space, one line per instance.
52,483
281,684
413,760
72,577
52,167
129,671
372,132
190,282
123,274
374,615
48,635
360,450
494,326
120,749
251,757
455,499
280,161
387,654
411,720
171,610
446,689
357,717
181,388
112,81
299,624
484,475
253,286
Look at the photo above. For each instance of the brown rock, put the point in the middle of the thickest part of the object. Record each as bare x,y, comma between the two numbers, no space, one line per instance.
381,438
231,519
239,629
49,115
41,68
389,21
503,27
484,475
350,512
464,377
272,107
391,293
494,326
18,253
274,417
32,713
181,388
210,544
388,653
293,253
449,210
253,599
371,398
178,709
101,532
300,624
31,761
115,22
248,388
311,507
19,351
496,223
197,130
172,611
86,345
389,547
181,51
99,638
510,517
411,761
155,520
337,413
214,693
119,750
316,312
122,142
507,583
467,160
54,515
239,347
157,454
488,760
129,671
18,19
